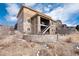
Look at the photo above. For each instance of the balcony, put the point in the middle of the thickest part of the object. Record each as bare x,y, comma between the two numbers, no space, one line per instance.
43,24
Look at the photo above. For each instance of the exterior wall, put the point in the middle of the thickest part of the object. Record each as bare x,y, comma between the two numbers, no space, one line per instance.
27,25
20,22
53,27
28,13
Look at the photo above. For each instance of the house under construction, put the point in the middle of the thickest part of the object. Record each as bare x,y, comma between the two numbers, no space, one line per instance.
33,22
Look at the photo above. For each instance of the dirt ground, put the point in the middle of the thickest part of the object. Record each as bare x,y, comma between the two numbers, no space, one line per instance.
15,45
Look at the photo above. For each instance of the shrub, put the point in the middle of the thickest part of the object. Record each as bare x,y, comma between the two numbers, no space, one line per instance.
69,40
77,27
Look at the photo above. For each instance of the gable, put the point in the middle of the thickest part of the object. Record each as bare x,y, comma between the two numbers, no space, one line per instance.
28,12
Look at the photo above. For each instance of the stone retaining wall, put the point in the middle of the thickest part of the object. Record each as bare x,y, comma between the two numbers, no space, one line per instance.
40,38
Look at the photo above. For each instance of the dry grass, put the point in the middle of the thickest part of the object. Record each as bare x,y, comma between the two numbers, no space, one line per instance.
14,45
69,40
19,47
75,37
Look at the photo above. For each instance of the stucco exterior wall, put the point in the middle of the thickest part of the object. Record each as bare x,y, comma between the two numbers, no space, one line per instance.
53,27
20,22
28,13
27,24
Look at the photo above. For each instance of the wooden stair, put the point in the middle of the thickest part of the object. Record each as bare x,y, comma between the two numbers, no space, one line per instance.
44,31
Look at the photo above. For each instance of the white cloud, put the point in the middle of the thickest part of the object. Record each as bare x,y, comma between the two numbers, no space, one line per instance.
29,4
10,18
46,9
56,14
64,13
12,10
49,6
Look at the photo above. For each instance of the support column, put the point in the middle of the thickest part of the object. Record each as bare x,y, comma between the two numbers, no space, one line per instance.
38,25
50,31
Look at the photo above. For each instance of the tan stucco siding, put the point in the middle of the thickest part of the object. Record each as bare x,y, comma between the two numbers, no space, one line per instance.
53,27
23,21
20,22
28,13
27,26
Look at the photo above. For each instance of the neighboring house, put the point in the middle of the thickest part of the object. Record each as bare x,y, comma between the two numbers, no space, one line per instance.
64,29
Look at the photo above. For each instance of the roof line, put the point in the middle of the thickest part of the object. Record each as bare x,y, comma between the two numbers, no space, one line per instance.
34,11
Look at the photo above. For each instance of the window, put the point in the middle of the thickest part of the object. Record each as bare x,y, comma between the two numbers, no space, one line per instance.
52,23
29,20
28,29
52,29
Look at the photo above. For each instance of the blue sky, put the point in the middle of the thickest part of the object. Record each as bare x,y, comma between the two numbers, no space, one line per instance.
67,13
